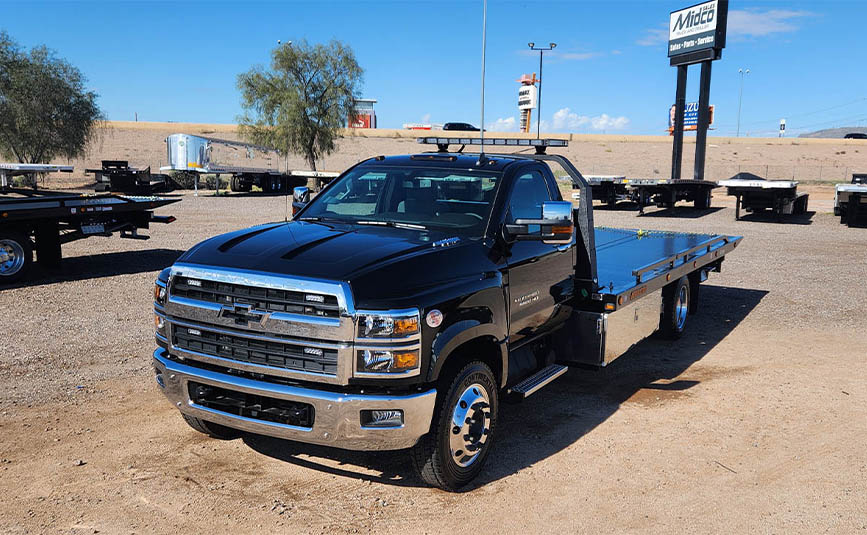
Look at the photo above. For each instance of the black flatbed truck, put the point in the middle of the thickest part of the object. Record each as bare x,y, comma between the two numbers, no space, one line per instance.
462,279
44,220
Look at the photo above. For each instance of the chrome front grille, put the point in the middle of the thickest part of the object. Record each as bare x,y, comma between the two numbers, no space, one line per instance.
261,322
266,299
287,355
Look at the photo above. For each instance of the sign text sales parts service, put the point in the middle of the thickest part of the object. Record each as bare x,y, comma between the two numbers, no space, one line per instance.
693,28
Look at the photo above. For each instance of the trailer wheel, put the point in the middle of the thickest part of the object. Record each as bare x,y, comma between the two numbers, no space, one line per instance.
220,432
16,256
453,453
235,184
675,308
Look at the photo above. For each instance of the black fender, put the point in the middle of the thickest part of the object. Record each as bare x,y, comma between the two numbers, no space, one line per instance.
461,332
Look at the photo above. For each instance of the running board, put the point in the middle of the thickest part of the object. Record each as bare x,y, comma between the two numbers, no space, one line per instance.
531,384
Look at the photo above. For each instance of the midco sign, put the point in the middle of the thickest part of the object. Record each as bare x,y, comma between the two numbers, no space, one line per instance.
696,28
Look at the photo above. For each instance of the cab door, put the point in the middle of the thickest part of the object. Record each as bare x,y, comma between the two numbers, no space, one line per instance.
540,274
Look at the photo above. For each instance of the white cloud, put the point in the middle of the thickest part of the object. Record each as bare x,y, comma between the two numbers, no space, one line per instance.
755,23
425,118
654,37
604,122
564,55
507,124
566,119
741,23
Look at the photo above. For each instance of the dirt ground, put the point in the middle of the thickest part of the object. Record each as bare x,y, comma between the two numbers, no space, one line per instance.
755,421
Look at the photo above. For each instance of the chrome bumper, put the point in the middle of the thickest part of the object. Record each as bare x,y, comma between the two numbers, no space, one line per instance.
337,420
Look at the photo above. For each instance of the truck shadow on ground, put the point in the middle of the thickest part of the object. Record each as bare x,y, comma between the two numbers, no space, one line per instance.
680,212
769,217
559,415
100,265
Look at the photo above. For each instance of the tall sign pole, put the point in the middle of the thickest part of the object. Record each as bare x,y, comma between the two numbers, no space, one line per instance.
696,35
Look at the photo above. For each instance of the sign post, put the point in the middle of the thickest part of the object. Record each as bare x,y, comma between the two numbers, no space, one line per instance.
782,127
695,35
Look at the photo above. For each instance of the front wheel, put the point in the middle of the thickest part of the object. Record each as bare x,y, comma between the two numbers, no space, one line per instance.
454,451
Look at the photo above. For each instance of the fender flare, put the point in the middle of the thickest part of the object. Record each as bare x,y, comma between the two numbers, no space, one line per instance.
458,334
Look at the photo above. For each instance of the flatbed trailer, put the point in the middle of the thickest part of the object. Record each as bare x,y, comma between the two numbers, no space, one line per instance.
664,193
186,152
44,220
610,189
30,170
755,194
850,200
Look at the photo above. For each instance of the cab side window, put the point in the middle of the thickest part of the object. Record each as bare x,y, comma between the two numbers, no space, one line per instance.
528,194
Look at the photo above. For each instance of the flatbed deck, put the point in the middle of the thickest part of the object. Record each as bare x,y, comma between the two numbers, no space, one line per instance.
630,260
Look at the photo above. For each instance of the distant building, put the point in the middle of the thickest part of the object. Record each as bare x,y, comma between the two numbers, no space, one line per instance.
366,117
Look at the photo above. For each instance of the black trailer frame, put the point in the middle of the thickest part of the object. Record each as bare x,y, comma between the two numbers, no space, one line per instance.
118,176
665,193
755,194
44,220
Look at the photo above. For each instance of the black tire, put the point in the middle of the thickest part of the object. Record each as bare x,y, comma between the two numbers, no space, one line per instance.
675,308
433,457
16,256
235,184
220,432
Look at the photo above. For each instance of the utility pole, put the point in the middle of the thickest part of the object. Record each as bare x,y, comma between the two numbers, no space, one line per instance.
551,46
742,72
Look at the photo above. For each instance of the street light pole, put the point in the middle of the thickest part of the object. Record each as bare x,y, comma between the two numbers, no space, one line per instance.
742,72
551,46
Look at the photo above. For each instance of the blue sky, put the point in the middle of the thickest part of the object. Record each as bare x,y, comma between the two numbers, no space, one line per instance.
178,61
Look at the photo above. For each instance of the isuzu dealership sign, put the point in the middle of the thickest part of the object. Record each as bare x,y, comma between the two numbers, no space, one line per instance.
695,28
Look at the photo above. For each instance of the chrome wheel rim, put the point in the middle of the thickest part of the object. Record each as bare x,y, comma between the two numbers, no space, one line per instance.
11,257
471,425
682,307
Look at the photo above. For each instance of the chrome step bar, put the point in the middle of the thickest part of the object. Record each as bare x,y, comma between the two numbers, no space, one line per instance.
531,384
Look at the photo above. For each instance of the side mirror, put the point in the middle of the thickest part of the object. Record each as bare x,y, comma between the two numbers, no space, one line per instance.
555,227
300,198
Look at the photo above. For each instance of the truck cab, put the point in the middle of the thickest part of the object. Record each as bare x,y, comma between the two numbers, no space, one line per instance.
402,303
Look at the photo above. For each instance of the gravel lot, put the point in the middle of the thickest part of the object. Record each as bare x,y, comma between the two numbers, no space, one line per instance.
755,421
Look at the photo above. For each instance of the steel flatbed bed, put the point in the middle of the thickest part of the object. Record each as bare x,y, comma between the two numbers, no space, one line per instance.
633,263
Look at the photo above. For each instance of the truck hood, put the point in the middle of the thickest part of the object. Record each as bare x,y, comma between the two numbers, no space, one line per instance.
336,251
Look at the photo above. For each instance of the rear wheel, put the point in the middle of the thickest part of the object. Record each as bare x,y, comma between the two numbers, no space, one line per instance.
675,308
211,429
16,256
454,451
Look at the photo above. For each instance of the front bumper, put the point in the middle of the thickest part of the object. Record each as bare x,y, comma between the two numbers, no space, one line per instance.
337,419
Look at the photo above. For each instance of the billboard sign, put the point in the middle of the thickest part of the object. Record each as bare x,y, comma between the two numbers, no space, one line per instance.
690,116
527,97
696,28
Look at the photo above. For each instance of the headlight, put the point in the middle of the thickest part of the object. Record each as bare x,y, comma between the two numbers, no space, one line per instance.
159,294
387,361
396,325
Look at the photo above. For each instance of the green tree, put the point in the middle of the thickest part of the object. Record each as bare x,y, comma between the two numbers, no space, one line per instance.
300,104
45,110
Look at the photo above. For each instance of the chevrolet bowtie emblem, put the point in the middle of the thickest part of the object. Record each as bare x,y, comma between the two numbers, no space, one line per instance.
243,314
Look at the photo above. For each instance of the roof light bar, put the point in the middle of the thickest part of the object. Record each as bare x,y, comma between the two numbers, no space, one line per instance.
506,142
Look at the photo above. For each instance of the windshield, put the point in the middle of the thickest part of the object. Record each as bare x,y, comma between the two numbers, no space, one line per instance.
454,199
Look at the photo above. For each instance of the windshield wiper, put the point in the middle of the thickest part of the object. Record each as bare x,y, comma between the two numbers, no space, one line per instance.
395,224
